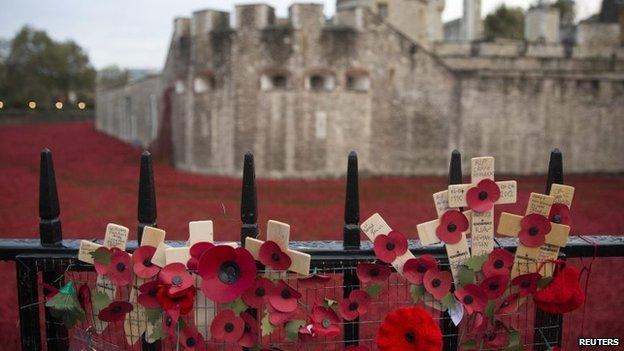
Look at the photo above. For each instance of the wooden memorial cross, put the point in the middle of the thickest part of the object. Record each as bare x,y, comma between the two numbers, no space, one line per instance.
482,223
135,323
527,258
279,233
562,194
116,236
375,226
457,253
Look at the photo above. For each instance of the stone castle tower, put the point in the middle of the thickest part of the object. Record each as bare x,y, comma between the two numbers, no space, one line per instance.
383,77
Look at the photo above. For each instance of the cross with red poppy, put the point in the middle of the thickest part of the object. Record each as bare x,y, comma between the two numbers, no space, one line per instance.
275,254
533,231
559,213
374,227
115,236
451,228
480,196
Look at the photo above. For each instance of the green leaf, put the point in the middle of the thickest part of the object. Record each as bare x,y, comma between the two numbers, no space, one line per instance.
157,334
265,325
417,292
469,345
465,276
374,290
153,315
102,256
542,283
447,301
514,341
238,306
476,262
329,302
99,300
181,324
489,308
292,329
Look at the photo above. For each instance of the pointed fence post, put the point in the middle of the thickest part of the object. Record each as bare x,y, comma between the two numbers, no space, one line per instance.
544,331
249,202
146,215
351,241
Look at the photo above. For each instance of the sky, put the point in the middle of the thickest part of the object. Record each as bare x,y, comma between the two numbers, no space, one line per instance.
135,33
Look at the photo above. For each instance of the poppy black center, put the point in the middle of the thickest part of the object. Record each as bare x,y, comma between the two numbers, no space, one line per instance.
275,257
410,337
121,266
168,321
468,300
190,342
421,268
436,282
505,304
557,218
353,306
493,286
483,195
326,323
152,292
285,294
147,262
176,280
374,272
491,336
229,272
247,328
533,231
390,246
498,264
228,327
525,284
116,309
451,227
260,292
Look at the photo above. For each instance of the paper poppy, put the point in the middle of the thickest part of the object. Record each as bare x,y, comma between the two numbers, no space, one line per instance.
472,297
494,285
388,247
481,198
227,327
182,301
508,305
372,272
250,331
325,322
148,294
196,251
115,311
452,224
560,214
437,283
414,269
563,294
142,262
409,329
226,273
170,322
278,317
313,280
84,296
258,293
119,271
283,297
533,230
101,267
499,262
356,305
272,256
190,338
175,277
527,283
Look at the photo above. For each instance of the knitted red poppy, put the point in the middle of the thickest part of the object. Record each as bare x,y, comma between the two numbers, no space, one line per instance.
409,329
563,294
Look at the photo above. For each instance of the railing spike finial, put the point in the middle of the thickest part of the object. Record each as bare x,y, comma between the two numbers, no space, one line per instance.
146,211
555,169
351,232
50,231
249,201
455,168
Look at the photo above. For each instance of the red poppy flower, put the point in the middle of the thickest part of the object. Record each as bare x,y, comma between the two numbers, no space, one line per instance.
494,285
527,283
226,273
437,283
560,214
371,272
119,269
534,228
409,329
479,324
101,268
278,318
481,198
496,338
414,269
472,297
170,322
115,311
313,280
388,247
283,297
563,294
357,348
147,294
508,305
175,277
250,331
196,251
452,224
325,322
272,256
258,293
190,338
499,262
227,327
142,262
182,301
355,305
84,296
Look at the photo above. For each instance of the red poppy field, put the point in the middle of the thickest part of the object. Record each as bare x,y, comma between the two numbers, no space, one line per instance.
97,178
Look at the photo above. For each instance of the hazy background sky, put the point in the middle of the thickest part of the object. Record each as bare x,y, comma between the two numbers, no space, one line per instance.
135,33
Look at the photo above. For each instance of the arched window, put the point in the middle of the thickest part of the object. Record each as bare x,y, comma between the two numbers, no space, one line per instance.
320,81
358,80
275,80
